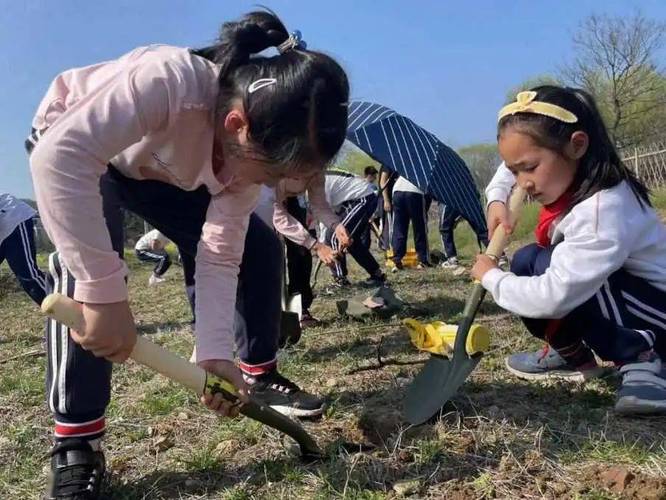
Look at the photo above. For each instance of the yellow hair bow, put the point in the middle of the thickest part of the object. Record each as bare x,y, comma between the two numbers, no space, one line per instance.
525,103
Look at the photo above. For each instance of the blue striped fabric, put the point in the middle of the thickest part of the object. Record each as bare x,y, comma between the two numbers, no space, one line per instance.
398,143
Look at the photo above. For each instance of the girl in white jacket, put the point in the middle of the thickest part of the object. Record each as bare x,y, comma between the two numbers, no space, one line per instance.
595,280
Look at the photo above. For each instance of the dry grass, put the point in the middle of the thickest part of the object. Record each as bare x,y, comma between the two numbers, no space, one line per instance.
499,438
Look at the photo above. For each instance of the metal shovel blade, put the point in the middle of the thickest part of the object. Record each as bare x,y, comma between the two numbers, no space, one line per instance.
436,383
440,378
295,304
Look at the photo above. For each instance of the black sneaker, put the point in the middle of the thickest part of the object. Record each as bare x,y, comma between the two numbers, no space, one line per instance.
377,280
77,471
341,282
284,396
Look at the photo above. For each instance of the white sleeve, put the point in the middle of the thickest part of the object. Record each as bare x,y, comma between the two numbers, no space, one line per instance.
500,185
578,268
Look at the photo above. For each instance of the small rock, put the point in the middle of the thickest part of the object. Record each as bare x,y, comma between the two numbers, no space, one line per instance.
405,488
331,382
183,416
617,478
151,431
226,447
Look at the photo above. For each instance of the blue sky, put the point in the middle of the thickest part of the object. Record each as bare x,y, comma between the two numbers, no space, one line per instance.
447,65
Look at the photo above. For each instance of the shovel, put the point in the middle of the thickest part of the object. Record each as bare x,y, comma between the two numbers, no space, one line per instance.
441,377
68,312
292,309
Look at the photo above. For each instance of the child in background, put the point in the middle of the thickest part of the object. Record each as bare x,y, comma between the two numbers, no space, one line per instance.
595,280
151,248
17,245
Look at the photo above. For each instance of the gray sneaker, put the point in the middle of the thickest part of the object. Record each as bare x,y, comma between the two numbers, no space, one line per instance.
548,364
643,390
450,263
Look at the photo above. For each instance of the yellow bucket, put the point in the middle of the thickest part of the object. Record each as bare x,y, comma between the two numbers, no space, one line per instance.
439,337
410,259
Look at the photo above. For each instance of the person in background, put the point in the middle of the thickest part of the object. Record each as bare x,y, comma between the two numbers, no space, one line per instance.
449,218
284,208
354,201
387,180
370,175
151,247
17,246
409,204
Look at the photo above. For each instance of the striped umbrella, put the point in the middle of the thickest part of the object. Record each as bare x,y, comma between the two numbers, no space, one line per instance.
401,145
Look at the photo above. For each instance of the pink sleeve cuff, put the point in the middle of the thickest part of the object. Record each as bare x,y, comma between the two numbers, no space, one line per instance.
107,290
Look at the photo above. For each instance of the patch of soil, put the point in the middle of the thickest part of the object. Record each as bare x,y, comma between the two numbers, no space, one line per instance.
622,481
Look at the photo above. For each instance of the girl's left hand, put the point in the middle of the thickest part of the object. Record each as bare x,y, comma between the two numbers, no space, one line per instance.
482,266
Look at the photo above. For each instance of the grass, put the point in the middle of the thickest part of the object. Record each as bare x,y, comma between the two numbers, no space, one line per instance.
498,438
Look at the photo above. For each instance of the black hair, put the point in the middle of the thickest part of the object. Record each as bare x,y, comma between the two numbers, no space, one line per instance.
301,120
601,166
369,170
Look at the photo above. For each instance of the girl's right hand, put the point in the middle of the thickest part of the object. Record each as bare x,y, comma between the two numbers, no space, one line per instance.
498,214
325,253
109,331
231,373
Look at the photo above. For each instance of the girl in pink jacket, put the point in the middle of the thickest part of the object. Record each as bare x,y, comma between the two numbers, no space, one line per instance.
183,138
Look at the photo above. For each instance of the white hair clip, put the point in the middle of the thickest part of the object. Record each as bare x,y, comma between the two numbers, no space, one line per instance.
260,84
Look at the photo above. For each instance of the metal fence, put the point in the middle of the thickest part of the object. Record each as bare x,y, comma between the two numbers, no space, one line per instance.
648,163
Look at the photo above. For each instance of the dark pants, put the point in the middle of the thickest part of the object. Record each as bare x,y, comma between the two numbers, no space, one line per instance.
159,257
625,317
376,219
410,207
78,383
354,216
189,269
448,220
299,259
19,250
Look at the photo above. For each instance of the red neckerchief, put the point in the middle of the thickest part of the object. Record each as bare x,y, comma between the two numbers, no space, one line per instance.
547,216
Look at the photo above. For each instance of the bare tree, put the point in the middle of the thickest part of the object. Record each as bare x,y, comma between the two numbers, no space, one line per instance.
616,62
482,160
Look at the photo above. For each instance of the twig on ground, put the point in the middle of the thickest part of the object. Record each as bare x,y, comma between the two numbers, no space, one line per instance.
29,354
381,363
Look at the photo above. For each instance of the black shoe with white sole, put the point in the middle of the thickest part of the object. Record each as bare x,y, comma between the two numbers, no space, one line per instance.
77,471
281,394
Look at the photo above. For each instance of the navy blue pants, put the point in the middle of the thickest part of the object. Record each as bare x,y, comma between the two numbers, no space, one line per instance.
78,383
449,218
354,216
625,317
159,257
19,250
410,207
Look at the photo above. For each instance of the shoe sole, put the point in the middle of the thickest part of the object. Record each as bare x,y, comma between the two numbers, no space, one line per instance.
290,411
631,405
557,374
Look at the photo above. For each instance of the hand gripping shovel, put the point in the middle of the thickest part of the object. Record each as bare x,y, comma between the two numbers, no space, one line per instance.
441,377
68,312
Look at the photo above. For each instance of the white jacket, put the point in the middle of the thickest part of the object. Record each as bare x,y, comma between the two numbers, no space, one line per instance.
606,232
